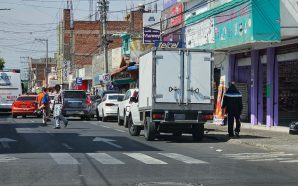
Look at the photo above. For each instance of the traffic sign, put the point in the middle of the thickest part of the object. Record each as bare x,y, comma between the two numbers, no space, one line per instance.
79,81
106,77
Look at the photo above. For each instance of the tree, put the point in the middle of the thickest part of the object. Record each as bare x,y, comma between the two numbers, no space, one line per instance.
2,63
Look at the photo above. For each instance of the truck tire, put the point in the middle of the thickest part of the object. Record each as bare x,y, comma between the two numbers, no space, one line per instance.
177,134
132,129
198,132
149,130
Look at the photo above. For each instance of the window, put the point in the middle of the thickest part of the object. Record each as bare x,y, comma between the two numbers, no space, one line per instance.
75,94
27,98
127,95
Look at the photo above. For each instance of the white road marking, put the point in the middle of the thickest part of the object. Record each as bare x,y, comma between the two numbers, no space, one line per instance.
67,146
219,150
145,158
185,159
119,130
105,126
289,161
64,159
5,158
258,157
271,159
108,141
105,158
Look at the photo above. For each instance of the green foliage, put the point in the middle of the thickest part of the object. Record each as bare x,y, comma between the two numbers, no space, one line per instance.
2,63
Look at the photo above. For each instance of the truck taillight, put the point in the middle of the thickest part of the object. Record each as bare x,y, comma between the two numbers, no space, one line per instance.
157,116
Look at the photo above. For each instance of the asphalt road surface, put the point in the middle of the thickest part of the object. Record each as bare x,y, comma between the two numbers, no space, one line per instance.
96,153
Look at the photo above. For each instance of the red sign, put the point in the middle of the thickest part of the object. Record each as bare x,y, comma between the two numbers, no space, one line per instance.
176,10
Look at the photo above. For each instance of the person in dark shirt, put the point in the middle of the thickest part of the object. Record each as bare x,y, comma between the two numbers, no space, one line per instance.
232,102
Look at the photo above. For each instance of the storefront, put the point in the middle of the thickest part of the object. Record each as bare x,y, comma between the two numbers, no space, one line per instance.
242,30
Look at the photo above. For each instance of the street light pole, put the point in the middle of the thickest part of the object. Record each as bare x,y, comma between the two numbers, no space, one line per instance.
47,56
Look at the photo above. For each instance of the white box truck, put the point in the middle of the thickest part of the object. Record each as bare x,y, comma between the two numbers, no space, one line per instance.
10,89
175,93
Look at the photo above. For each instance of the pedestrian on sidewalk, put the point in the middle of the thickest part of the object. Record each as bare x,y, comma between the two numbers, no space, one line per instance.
232,102
58,103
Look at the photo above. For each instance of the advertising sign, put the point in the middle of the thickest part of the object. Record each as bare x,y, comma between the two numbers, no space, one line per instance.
168,3
66,70
151,28
150,35
79,81
172,16
167,44
200,34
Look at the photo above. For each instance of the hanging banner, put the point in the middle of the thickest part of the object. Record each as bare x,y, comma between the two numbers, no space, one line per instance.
168,3
219,113
172,16
151,27
150,35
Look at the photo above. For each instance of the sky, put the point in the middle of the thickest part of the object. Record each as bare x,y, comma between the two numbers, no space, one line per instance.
38,19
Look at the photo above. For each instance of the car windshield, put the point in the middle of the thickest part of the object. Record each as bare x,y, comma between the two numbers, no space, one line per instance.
115,97
75,94
26,98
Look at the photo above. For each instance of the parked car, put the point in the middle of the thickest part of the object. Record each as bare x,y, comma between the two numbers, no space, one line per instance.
109,106
103,93
76,103
124,106
25,105
94,102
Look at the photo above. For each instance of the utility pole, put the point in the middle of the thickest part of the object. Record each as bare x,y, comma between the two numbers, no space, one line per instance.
47,58
103,8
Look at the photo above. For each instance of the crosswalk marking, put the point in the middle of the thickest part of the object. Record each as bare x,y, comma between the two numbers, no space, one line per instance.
145,158
5,158
104,158
64,159
185,159
259,157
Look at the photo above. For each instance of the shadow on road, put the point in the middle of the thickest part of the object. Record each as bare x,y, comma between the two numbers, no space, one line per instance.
31,138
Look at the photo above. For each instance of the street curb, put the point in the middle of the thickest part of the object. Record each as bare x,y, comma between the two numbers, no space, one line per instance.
257,127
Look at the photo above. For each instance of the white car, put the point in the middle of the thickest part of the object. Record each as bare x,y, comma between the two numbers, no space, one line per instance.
109,106
124,106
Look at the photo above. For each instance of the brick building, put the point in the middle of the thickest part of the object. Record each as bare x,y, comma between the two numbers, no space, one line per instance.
81,41
38,70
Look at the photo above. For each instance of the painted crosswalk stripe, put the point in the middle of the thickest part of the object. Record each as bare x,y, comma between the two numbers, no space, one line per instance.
105,158
185,159
290,161
64,159
145,158
271,159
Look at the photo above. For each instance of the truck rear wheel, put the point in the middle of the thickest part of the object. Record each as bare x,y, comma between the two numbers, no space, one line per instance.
133,130
149,130
198,132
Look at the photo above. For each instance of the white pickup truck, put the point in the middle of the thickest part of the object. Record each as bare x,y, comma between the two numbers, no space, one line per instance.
175,93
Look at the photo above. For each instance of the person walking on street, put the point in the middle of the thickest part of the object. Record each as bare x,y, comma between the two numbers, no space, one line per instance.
45,105
57,108
232,102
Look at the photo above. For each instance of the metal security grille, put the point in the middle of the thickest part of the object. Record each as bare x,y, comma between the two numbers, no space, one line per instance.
243,88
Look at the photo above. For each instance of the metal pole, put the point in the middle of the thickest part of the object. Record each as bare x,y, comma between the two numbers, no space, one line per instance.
46,71
104,8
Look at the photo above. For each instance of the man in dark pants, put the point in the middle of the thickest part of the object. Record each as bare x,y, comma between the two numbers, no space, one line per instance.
233,103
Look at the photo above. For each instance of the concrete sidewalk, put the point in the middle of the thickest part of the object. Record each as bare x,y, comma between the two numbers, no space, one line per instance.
273,139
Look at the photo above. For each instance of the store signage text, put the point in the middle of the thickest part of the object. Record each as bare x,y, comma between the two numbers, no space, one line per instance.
167,44
122,76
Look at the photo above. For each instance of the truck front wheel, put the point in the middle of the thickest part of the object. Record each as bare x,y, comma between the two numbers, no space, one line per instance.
198,132
133,130
149,130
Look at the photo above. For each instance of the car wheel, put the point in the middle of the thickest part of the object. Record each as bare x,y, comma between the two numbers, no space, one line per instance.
82,117
88,117
97,115
125,120
198,132
133,130
149,130
103,119
120,122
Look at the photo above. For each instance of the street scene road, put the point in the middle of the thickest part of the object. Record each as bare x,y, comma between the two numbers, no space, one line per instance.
96,153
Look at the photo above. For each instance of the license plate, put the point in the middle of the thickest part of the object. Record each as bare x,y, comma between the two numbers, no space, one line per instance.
23,106
179,116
